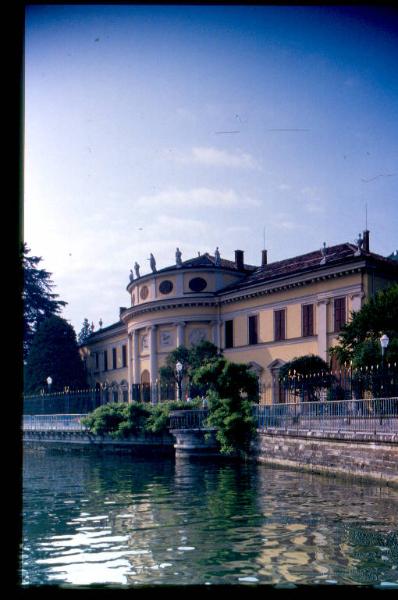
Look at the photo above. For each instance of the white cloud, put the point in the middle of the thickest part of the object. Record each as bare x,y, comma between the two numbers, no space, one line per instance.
284,187
313,202
195,198
213,157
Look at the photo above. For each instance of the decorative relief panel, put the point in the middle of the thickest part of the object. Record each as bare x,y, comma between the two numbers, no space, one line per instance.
144,342
197,335
144,292
166,338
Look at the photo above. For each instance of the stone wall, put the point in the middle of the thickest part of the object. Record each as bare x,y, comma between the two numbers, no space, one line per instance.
143,444
368,456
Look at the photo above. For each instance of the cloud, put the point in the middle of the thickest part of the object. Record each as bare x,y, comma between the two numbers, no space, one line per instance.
213,157
284,187
195,198
313,203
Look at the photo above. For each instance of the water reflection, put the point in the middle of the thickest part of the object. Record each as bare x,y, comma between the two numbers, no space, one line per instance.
120,520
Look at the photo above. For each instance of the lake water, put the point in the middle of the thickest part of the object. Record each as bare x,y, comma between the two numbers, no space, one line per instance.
118,520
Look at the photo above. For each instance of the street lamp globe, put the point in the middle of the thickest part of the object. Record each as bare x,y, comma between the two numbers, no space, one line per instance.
384,340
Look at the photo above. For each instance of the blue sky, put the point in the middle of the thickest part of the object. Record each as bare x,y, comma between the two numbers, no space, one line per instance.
152,127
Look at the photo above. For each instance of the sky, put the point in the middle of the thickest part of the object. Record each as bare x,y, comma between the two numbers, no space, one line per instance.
148,128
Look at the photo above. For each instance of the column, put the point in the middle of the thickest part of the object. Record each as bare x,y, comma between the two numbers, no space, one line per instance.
153,353
180,333
136,359
322,322
129,367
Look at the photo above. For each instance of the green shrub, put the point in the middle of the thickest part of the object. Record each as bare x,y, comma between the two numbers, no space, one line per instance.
116,419
235,423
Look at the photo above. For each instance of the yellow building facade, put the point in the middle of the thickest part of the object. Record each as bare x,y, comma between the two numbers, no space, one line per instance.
263,315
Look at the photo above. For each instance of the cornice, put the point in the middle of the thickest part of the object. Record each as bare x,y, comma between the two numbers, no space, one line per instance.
175,303
283,283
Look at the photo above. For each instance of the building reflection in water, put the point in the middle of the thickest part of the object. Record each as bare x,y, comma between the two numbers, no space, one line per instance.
120,520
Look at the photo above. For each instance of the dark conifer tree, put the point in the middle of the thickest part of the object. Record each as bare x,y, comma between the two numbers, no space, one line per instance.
54,353
39,301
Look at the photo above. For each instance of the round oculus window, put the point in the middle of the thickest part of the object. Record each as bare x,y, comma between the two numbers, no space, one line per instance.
165,287
144,292
197,284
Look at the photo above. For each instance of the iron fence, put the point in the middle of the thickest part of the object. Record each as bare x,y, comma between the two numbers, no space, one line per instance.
345,383
53,423
373,415
188,419
85,401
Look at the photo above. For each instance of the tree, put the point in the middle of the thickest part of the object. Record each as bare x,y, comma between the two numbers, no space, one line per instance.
359,338
85,332
227,379
39,302
306,376
54,353
232,390
190,358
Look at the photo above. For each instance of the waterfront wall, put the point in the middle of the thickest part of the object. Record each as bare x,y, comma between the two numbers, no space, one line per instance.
367,456
143,444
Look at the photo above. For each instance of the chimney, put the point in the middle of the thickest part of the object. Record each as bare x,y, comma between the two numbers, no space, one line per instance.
263,258
365,246
239,260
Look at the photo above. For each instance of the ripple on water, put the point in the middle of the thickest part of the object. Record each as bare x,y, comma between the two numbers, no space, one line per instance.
121,522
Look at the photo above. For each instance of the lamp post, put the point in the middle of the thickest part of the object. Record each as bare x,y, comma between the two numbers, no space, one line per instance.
384,340
179,378
49,384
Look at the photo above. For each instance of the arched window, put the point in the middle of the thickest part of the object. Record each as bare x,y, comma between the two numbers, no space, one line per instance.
115,392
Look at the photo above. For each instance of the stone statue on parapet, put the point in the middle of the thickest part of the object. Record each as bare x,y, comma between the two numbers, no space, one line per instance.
217,257
131,276
137,270
359,243
178,257
323,252
152,262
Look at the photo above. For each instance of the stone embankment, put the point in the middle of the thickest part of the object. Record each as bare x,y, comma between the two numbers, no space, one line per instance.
360,455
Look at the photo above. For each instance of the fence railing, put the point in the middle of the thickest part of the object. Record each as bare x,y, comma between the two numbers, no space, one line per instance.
52,423
376,415
85,401
188,419
378,381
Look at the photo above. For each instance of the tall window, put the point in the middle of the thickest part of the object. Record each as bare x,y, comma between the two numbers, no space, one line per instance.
105,360
253,336
307,319
114,363
124,356
96,360
339,313
280,324
229,334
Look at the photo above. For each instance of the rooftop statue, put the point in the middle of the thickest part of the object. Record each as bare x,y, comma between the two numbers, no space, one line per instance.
359,243
152,262
131,276
217,257
178,257
323,252
137,269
